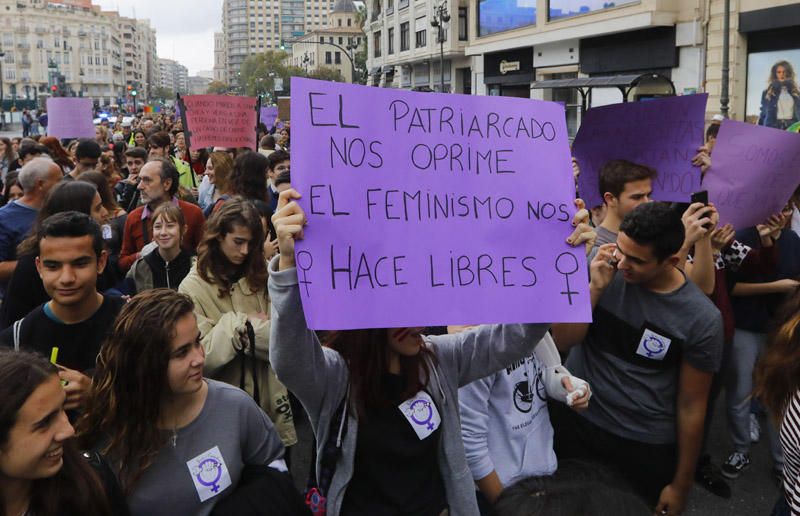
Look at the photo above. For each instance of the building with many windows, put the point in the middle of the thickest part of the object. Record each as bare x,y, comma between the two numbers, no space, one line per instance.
173,76
42,39
334,46
648,48
256,26
405,50
219,57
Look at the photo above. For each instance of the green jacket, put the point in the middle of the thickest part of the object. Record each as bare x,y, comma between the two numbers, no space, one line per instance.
185,174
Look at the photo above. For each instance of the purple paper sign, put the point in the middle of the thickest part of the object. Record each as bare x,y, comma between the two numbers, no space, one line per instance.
754,171
663,134
70,117
428,209
268,116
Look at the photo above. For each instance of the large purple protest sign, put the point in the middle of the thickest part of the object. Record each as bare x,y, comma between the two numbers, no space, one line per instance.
428,209
663,134
268,116
70,117
754,171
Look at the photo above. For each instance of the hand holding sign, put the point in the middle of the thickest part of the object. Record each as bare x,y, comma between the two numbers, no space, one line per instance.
289,220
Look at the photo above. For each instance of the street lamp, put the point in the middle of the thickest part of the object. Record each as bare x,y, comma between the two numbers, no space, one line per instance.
2,107
440,21
351,46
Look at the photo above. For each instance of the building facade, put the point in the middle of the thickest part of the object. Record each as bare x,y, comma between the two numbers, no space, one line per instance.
41,40
516,48
219,57
334,46
252,27
405,50
173,76
197,84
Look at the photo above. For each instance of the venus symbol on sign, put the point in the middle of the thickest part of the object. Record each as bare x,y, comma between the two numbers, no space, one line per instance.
567,264
305,256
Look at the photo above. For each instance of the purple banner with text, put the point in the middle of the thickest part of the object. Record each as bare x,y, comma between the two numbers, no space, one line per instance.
754,171
427,209
663,134
70,117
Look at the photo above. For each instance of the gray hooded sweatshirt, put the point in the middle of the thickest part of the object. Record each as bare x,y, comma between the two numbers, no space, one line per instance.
319,378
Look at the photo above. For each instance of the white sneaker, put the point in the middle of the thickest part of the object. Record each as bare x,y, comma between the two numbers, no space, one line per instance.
755,429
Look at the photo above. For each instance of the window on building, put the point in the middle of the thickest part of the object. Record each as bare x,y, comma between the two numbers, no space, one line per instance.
340,22
390,43
328,59
565,8
349,22
341,40
376,43
463,24
420,39
498,17
404,36
338,57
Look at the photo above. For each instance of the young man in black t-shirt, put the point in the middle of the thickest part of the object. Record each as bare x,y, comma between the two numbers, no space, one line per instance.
77,318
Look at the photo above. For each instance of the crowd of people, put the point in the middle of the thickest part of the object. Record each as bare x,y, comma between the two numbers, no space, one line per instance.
155,357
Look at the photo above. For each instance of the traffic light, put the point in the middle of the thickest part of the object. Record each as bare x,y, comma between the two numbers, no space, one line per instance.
130,87
54,89
134,93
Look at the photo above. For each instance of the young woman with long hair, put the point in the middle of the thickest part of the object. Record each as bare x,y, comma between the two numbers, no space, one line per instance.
115,227
780,100
249,177
41,471
168,264
25,290
7,156
216,186
228,287
58,153
11,188
777,385
176,440
386,399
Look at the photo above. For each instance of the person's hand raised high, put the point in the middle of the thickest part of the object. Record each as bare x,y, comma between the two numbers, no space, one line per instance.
289,221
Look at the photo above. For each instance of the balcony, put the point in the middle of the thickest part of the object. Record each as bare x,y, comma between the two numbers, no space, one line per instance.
23,45
82,33
66,32
40,30
22,29
25,63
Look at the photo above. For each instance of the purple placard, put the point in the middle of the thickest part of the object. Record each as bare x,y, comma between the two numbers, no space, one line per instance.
446,209
754,171
268,116
663,134
70,117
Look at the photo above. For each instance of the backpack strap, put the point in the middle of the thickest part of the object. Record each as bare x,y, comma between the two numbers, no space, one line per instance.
17,328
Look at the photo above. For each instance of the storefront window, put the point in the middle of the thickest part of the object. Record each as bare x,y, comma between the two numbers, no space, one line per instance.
773,89
564,8
501,15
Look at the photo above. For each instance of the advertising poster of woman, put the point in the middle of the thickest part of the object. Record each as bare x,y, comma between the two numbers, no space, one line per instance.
773,98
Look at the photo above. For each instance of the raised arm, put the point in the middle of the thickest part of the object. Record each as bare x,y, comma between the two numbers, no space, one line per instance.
300,362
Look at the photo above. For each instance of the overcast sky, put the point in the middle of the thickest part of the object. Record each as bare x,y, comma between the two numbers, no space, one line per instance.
184,28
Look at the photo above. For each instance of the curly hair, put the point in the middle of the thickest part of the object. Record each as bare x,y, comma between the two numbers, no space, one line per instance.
249,177
773,77
777,374
124,404
212,264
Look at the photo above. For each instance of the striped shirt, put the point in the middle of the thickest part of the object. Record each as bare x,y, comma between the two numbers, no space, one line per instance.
790,442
